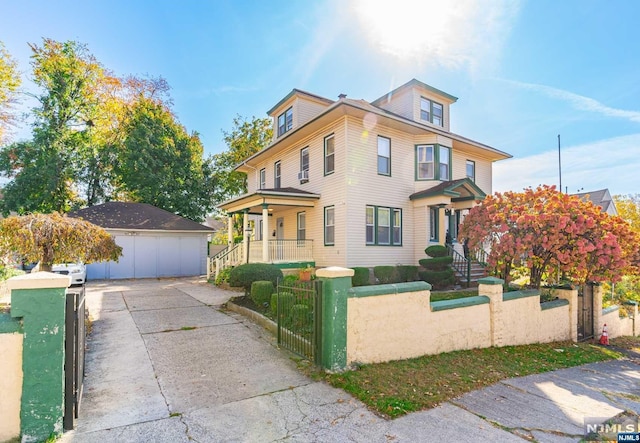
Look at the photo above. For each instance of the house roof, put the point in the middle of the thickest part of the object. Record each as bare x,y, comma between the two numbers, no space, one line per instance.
295,91
136,216
254,202
346,106
461,189
414,82
601,198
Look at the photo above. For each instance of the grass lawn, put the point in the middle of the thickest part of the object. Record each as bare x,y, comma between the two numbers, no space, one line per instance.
396,388
451,295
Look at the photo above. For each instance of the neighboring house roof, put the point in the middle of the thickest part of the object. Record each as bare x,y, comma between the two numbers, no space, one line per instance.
140,216
462,188
601,198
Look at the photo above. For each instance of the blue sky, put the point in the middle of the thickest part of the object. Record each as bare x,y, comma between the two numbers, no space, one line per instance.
524,71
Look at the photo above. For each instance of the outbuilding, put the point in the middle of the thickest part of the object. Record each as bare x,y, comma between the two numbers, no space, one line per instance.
155,242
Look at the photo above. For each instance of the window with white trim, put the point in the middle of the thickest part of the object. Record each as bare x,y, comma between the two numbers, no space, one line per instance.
263,178
383,226
432,112
304,160
384,155
329,155
329,225
285,121
277,172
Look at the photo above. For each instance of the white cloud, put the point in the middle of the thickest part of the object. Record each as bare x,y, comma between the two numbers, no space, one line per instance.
613,163
453,34
579,102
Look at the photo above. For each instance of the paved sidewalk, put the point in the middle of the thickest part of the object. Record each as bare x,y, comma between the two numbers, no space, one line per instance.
166,364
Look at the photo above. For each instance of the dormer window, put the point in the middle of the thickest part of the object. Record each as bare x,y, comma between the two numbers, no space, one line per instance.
285,121
431,111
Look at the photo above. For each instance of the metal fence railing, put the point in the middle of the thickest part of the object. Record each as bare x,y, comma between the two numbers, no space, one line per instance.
75,344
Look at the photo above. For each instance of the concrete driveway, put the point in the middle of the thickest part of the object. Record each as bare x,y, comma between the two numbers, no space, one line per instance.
167,364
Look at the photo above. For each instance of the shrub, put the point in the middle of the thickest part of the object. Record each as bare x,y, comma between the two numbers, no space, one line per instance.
261,292
407,273
300,315
436,251
438,279
223,276
386,274
291,279
244,275
360,277
436,264
287,299
6,272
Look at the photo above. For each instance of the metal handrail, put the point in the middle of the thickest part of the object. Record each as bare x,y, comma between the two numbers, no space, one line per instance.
460,263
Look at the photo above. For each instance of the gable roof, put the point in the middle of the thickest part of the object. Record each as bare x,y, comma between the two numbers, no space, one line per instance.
462,189
601,198
142,216
411,83
301,93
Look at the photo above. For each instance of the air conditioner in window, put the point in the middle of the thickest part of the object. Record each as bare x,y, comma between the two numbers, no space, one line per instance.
303,176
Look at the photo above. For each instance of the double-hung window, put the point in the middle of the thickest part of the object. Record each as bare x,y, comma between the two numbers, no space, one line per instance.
471,170
432,112
277,171
304,165
425,162
444,159
383,226
329,226
285,121
329,155
302,226
384,155
263,178
433,162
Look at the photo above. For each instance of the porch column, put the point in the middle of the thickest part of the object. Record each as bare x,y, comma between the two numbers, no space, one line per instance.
245,237
265,233
230,231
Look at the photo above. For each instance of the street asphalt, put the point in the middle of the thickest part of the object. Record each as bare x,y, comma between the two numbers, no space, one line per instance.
166,363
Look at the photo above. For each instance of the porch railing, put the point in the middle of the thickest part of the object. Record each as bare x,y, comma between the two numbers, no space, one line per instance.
460,264
278,251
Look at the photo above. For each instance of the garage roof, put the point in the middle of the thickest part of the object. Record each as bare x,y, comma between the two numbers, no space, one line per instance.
123,215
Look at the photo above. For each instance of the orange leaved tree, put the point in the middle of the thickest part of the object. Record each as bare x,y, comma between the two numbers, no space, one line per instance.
55,238
548,231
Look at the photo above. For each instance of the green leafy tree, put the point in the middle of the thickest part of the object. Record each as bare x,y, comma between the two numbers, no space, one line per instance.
245,139
55,238
628,207
45,175
9,84
160,164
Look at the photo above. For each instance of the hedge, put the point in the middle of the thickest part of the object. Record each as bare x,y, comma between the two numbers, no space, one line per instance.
360,277
244,275
438,279
385,274
407,273
437,263
261,291
436,251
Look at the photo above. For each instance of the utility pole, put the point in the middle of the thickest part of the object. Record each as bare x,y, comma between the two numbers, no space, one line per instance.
559,164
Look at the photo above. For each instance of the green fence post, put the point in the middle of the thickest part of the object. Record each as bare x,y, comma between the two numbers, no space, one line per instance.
40,300
336,282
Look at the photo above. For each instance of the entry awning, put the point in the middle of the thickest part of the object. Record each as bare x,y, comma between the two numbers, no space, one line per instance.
456,190
253,203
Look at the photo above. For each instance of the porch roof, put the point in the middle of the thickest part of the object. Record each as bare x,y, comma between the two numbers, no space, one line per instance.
459,190
253,203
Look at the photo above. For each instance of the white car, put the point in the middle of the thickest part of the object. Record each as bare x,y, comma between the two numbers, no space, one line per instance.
77,272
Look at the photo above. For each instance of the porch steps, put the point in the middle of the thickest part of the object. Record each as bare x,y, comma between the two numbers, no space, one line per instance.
478,271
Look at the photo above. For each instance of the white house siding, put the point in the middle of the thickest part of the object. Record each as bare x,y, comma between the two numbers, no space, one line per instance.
483,169
417,93
401,104
152,254
366,187
308,109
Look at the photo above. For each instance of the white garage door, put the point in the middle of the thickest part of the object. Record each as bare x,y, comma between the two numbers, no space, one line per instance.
154,256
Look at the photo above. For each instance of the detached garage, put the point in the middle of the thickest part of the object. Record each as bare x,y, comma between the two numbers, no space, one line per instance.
155,242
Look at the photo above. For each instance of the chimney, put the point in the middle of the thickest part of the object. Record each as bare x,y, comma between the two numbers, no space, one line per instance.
341,96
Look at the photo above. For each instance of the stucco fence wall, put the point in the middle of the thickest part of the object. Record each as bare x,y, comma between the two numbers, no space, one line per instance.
11,339
392,322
